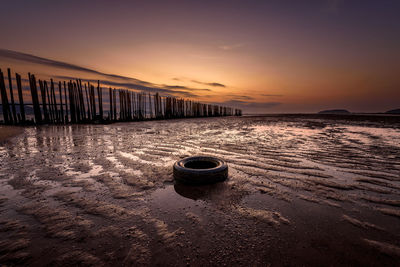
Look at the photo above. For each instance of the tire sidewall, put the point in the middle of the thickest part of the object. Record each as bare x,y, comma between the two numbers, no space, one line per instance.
200,176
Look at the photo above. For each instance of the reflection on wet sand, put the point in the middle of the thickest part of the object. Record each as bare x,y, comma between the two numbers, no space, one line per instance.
203,192
301,191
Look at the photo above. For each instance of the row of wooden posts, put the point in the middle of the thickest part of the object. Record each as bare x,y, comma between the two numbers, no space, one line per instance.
77,103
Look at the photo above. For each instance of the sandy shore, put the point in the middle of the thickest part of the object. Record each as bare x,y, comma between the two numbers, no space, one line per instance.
302,191
7,132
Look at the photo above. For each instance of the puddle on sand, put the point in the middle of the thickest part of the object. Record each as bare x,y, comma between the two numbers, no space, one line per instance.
167,199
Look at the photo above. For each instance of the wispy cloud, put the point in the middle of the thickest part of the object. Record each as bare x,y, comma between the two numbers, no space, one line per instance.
230,46
59,64
213,84
241,97
250,107
184,88
133,86
209,84
109,79
271,95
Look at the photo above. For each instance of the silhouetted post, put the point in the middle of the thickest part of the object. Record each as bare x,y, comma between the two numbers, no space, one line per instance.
4,100
111,103
35,99
134,106
87,103
115,104
122,104
66,103
81,100
76,102
49,101
155,105
44,106
100,99
56,115
14,112
61,102
78,107
128,105
93,102
71,102
20,96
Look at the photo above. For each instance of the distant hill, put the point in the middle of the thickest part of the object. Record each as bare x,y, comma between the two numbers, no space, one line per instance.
334,111
28,109
393,111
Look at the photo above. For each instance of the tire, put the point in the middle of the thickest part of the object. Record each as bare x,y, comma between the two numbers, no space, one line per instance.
200,170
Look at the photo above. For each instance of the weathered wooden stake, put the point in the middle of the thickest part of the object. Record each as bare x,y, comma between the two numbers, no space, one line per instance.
21,98
4,100
61,103
14,113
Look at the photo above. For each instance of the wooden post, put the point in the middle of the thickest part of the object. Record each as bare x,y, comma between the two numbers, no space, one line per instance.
44,105
4,101
66,103
56,115
87,103
110,104
78,106
121,115
82,111
14,113
61,102
133,105
100,99
35,99
21,98
115,104
49,101
71,102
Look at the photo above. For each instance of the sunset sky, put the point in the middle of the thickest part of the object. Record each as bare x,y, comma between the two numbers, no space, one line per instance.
261,56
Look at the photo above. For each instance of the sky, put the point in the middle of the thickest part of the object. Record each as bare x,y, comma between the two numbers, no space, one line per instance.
262,56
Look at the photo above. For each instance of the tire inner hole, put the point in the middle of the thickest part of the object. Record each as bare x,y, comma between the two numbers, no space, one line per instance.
200,164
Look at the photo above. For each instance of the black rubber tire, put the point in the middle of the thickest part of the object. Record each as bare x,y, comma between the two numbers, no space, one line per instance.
186,175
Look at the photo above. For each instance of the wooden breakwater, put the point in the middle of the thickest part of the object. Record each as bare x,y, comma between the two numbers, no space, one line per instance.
73,101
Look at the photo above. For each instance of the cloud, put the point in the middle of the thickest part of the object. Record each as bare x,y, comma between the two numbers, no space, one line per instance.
58,64
165,90
250,107
245,104
209,84
271,95
184,88
123,81
213,84
230,47
241,97
110,79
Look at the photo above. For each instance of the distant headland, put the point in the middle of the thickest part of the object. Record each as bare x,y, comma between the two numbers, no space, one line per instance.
393,111
345,111
334,111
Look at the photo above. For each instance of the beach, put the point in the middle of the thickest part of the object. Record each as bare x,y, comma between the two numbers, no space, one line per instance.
7,132
302,190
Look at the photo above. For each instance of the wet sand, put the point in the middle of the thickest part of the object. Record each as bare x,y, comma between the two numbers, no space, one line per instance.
7,132
302,190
